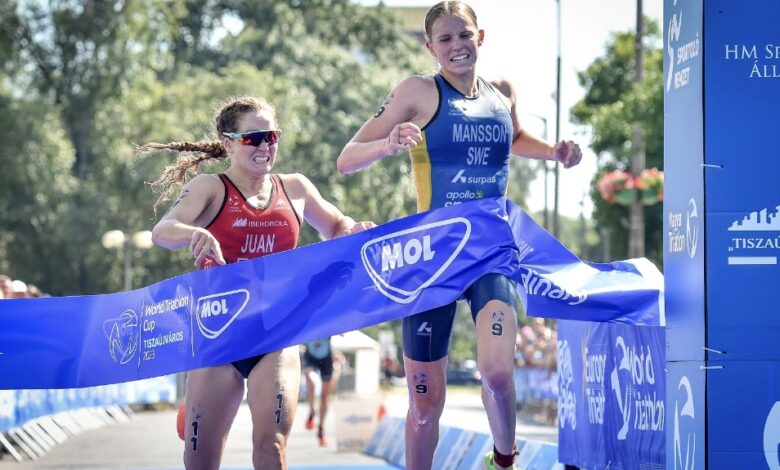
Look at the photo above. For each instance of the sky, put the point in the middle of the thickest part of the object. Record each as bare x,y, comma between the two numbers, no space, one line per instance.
521,46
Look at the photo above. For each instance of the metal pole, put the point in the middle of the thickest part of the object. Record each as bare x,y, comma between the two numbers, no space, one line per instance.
636,235
556,221
545,135
128,252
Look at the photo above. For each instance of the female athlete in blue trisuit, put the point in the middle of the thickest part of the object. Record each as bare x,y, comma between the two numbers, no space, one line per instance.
460,131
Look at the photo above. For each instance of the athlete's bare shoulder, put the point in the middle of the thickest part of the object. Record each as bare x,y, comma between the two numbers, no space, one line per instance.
205,184
295,184
504,86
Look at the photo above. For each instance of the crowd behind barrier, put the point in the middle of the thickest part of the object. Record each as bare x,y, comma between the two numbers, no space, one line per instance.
17,289
536,377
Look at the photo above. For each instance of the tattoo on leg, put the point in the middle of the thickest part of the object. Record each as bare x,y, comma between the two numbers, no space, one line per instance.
278,412
497,329
421,383
194,438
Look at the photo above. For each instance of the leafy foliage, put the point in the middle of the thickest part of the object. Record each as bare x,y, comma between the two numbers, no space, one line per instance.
613,103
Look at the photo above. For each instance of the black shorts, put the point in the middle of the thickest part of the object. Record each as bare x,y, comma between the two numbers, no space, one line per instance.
245,366
324,365
426,335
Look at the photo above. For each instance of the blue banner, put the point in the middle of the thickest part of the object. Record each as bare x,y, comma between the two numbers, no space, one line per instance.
214,316
612,389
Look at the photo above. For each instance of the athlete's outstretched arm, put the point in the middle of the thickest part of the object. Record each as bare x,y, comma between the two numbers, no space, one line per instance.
389,131
326,218
527,145
183,224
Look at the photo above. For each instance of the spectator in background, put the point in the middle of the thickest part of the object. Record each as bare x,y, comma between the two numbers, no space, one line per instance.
33,291
18,289
5,287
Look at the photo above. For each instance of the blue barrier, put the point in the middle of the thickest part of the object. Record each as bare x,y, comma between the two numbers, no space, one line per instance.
18,407
458,449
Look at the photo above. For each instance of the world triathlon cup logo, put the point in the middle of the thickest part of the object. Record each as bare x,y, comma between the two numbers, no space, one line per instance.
216,312
684,457
402,264
123,335
772,438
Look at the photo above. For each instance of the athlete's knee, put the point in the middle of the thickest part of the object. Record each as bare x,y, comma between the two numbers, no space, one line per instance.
498,381
269,448
426,404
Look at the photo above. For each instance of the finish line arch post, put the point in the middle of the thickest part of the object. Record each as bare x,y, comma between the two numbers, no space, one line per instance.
722,233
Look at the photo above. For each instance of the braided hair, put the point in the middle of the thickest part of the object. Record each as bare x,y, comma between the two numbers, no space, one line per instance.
226,120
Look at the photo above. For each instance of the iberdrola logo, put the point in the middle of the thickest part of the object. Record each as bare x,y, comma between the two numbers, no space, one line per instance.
403,263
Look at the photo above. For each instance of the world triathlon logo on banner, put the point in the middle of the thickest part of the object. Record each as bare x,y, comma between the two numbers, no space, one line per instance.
123,334
402,264
216,312
772,437
567,397
755,239
684,434
632,380
683,234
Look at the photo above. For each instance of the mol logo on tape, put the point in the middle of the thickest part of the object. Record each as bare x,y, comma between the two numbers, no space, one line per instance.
216,312
403,263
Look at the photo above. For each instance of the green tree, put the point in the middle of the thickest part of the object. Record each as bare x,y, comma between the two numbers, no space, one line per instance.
613,103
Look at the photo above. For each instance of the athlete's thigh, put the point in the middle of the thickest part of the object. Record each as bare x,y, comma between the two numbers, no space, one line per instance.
493,302
213,396
273,392
426,335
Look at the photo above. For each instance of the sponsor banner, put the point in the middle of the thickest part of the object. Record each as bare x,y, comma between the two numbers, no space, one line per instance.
612,395
684,178
743,415
743,201
685,415
742,261
214,316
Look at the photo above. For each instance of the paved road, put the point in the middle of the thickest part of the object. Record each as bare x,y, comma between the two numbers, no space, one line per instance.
149,441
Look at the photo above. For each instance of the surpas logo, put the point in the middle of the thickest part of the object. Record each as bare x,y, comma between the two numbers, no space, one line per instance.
772,437
123,335
403,263
216,312
459,178
684,461
425,329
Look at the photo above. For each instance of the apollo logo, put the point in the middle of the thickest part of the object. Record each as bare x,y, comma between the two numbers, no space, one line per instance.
403,263
772,437
216,312
123,335
684,460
